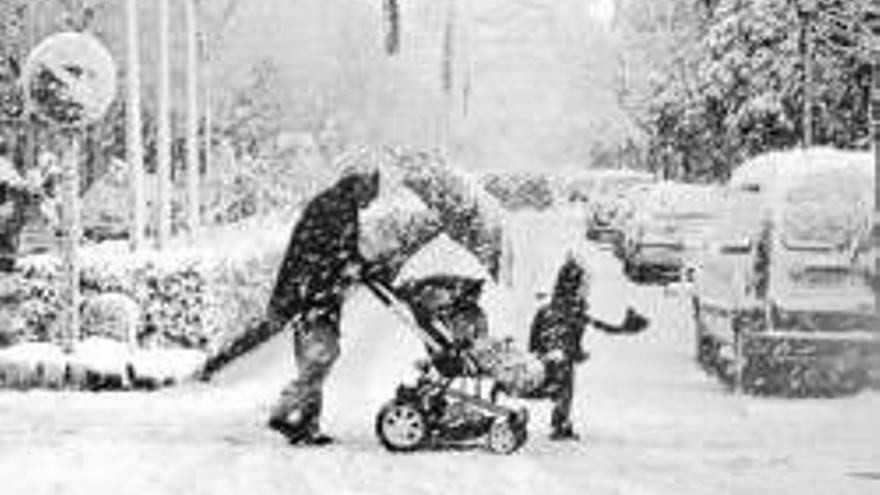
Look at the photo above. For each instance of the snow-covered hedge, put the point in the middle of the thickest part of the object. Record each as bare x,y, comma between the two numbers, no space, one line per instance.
207,295
517,191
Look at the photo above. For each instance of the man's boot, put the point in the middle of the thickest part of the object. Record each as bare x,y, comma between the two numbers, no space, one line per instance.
316,438
300,434
565,432
293,433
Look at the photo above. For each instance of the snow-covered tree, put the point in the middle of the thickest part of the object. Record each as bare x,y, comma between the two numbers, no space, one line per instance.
740,91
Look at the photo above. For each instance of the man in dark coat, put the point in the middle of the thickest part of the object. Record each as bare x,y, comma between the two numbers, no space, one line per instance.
321,263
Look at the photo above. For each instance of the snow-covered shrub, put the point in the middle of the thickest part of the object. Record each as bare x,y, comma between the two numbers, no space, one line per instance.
112,314
516,191
40,303
11,322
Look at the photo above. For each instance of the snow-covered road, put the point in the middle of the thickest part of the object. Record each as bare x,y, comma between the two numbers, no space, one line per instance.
652,423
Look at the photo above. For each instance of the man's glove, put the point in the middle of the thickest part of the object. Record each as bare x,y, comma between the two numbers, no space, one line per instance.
579,356
375,270
352,273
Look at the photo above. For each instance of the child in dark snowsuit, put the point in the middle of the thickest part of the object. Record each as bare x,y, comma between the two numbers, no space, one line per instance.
321,262
555,335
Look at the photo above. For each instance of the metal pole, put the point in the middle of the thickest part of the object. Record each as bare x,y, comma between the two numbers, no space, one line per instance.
807,40
73,230
163,131
466,56
207,98
30,128
134,147
449,75
875,129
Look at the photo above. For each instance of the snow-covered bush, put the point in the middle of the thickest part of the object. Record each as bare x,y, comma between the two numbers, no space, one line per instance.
112,314
195,296
516,191
12,327
40,303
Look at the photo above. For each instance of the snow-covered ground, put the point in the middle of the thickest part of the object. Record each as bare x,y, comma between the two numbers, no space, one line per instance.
652,422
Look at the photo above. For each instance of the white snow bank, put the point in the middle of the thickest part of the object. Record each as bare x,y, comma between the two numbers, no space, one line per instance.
47,364
163,365
30,354
26,363
101,355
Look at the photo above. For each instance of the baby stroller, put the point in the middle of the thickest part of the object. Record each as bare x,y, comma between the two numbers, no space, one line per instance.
446,406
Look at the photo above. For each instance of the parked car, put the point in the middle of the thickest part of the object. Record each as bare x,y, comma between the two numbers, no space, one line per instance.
668,227
783,298
630,203
607,201
574,185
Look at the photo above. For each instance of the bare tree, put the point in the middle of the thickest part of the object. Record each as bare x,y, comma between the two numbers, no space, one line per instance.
163,137
216,14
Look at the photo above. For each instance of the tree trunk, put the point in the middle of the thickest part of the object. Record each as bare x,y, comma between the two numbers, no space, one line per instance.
163,137
192,119
207,97
134,148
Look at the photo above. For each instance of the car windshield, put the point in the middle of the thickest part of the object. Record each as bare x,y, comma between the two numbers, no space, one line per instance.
831,211
619,185
682,204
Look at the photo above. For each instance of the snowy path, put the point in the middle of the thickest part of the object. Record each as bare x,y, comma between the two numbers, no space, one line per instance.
652,424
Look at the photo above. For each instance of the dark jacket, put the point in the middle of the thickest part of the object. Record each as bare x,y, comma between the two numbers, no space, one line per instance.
324,243
560,324
15,199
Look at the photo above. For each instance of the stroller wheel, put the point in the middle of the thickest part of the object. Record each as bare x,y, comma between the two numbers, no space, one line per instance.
506,436
401,427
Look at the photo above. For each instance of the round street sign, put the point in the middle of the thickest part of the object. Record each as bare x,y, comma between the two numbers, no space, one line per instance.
70,79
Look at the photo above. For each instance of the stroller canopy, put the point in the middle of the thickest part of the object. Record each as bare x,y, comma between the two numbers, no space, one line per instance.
427,198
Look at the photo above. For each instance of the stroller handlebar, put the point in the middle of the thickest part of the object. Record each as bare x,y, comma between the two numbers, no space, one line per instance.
382,290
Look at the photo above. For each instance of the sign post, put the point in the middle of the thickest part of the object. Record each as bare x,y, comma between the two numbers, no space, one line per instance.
807,13
70,81
875,137
872,18
72,235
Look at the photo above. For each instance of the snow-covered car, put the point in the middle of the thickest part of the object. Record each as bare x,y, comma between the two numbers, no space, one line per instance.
668,227
607,201
783,297
627,213
573,185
